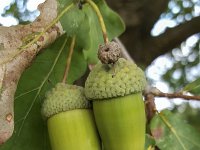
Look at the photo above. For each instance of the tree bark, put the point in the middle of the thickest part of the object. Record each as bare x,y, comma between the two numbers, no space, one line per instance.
13,61
140,17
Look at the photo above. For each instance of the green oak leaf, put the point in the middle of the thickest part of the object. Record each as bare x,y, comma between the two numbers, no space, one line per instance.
170,132
85,25
63,3
72,20
114,26
193,87
47,69
82,33
149,142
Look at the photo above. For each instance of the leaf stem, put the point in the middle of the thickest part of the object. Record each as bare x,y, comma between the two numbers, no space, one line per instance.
100,18
68,63
41,86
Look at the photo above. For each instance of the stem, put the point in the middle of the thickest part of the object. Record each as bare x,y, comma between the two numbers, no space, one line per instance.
150,106
156,92
100,18
71,50
178,95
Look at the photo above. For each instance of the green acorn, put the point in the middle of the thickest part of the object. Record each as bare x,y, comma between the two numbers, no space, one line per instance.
118,104
70,121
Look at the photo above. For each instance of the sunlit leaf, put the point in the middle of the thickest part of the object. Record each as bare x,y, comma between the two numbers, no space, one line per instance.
170,132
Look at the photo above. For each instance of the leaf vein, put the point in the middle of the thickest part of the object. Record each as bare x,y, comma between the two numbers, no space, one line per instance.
41,86
167,123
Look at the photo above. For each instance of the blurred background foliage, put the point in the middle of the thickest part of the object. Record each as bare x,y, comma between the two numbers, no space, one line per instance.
186,56
189,114
174,67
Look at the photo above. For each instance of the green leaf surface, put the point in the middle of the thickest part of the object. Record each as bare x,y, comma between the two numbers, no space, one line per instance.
63,3
114,26
82,36
47,69
193,87
149,142
72,20
84,23
172,133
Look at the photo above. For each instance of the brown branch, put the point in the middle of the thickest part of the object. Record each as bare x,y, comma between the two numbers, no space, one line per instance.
150,109
158,93
177,95
171,38
150,106
152,9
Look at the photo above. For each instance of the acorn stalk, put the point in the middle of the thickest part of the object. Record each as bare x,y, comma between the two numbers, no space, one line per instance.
116,91
70,119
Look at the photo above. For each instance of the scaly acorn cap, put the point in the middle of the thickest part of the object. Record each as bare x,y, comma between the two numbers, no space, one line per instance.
122,79
62,98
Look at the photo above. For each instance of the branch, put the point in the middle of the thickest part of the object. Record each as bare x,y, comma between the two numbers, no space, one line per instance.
152,10
172,37
156,92
11,39
150,106
129,10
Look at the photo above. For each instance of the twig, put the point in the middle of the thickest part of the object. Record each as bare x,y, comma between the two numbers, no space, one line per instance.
150,106
177,95
158,93
100,18
68,63
150,109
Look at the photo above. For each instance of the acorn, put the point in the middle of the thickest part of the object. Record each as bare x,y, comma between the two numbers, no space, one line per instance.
116,93
70,120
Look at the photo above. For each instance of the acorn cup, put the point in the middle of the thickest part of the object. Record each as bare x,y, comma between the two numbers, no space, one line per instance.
118,105
70,121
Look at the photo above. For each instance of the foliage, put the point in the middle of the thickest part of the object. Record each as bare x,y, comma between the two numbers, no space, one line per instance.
189,114
171,132
185,58
30,128
167,129
18,9
193,87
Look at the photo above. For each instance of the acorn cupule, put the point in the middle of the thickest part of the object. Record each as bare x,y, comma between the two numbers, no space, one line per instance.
116,94
70,119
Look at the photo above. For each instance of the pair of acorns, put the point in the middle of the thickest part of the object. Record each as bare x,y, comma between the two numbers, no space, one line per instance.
115,120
